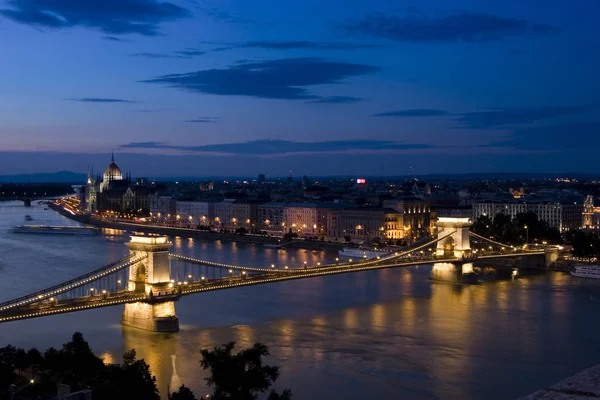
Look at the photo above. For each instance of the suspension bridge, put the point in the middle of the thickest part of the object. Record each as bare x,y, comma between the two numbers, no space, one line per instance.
150,279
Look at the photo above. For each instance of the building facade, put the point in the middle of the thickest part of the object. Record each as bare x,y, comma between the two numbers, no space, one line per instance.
271,217
562,215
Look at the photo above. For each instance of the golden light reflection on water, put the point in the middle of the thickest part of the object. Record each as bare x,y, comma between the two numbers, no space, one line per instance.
350,319
178,243
378,323
443,326
408,315
244,335
287,335
501,295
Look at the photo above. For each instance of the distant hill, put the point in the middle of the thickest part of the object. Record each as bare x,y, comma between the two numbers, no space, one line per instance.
53,177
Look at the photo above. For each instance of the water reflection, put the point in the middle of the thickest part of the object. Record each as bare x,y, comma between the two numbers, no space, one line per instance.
380,334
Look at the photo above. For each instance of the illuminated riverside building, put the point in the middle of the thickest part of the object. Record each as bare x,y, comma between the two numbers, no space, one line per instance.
562,215
591,213
114,192
270,216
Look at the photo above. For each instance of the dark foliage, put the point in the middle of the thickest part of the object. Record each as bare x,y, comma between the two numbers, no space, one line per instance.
183,393
241,375
75,365
524,227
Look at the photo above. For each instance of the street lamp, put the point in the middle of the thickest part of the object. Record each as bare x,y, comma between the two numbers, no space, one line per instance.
526,234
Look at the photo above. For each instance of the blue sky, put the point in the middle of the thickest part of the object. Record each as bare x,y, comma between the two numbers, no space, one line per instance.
233,87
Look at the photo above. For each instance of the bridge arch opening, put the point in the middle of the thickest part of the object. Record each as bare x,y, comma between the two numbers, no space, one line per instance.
448,246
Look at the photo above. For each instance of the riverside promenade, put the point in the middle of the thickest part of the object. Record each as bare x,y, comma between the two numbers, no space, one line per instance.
200,234
583,386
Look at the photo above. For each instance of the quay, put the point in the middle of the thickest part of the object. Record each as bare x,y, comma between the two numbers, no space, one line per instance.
582,386
268,241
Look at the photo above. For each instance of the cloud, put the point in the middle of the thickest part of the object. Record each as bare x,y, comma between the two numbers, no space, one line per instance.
145,145
115,17
274,79
336,100
223,16
418,112
223,48
156,55
306,45
114,39
467,27
579,136
204,120
190,52
100,100
278,147
187,53
510,117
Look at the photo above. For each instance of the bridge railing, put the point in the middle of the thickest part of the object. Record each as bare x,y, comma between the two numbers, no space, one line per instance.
72,283
218,265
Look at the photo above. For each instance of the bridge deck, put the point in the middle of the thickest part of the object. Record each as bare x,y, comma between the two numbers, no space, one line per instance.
35,310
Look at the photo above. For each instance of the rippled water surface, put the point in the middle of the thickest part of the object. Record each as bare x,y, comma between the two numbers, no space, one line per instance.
389,334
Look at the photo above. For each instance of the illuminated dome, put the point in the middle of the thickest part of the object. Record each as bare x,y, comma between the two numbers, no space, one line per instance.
111,173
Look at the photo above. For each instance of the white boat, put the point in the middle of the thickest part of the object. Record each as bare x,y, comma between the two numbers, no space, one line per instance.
61,230
360,252
586,271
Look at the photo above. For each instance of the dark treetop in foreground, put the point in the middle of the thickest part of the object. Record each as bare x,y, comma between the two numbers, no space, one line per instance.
239,376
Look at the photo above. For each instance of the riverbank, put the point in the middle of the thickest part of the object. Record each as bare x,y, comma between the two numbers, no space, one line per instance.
195,233
584,385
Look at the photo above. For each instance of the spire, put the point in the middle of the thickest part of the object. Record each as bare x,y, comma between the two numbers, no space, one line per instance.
112,157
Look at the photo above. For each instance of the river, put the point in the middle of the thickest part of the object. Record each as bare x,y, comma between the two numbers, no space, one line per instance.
389,334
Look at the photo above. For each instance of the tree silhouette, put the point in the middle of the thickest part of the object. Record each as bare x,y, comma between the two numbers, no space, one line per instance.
240,376
183,393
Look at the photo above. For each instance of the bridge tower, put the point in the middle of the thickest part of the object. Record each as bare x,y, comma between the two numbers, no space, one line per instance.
151,277
457,243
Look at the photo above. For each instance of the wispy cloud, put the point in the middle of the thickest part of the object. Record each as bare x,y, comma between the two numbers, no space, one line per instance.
223,16
296,45
143,110
156,55
100,100
279,147
336,100
467,27
274,79
567,136
187,53
511,117
223,48
204,120
308,45
114,39
418,112
115,17
190,52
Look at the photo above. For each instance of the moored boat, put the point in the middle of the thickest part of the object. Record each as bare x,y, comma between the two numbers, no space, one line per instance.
60,230
586,271
361,252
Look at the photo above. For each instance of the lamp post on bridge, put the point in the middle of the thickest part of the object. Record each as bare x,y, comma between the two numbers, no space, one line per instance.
526,235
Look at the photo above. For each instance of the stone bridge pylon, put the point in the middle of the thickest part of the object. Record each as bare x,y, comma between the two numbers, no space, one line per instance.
457,243
150,277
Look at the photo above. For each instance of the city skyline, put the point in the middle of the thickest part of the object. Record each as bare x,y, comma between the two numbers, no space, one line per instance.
200,88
